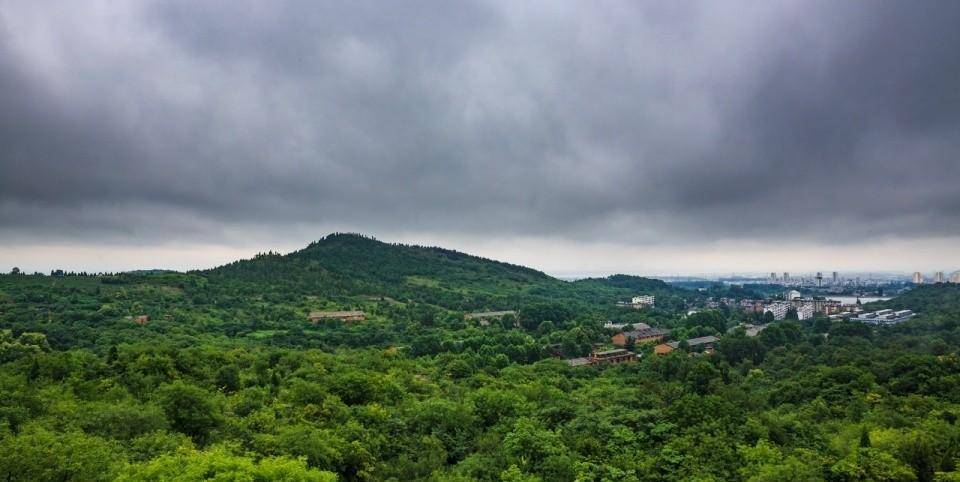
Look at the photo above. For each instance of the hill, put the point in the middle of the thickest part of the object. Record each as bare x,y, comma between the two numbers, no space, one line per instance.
401,288
341,265
940,297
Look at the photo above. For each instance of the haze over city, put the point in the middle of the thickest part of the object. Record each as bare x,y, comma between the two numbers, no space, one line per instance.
637,137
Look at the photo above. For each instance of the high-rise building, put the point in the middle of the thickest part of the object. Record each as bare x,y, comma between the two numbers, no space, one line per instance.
955,277
835,277
938,277
773,277
918,278
819,279
786,276
778,308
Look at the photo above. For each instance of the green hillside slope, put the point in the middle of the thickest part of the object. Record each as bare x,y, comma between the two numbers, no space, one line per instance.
355,265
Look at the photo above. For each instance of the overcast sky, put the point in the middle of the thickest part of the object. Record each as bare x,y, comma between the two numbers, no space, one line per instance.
575,137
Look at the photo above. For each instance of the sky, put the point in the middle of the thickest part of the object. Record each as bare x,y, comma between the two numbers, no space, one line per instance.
641,137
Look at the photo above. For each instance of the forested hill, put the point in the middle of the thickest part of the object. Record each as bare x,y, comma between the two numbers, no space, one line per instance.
941,298
635,284
355,265
362,256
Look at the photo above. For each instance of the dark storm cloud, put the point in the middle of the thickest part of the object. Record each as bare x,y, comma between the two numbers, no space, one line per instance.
633,121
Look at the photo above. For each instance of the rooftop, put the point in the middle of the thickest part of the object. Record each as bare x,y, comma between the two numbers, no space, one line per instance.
491,314
645,332
695,341
334,314
617,351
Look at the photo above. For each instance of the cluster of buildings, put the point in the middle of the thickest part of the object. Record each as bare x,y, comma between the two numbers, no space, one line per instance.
779,309
833,282
641,333
702,344
818,280
697,346
881,317
793,300
938,277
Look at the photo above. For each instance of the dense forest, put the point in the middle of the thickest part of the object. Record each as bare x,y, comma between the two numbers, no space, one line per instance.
218,374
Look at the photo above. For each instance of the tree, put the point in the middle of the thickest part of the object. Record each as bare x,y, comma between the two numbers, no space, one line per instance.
190,409
821,324
27,343
738,348
323,449
864,437
38,454
228,378
711,319
529,444
920,451
220,464
546,327
868,464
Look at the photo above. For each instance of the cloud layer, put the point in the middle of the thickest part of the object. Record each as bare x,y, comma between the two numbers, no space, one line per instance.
643,123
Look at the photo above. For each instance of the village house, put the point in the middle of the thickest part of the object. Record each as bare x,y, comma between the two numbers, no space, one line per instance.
704,343
621,326
615,356
644,335
483,318
316,316
663,349
618,355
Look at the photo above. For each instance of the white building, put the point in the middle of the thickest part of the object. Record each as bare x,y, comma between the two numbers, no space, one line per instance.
642,300
794,295
938,277
885,317
778,308
627,326
917,278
